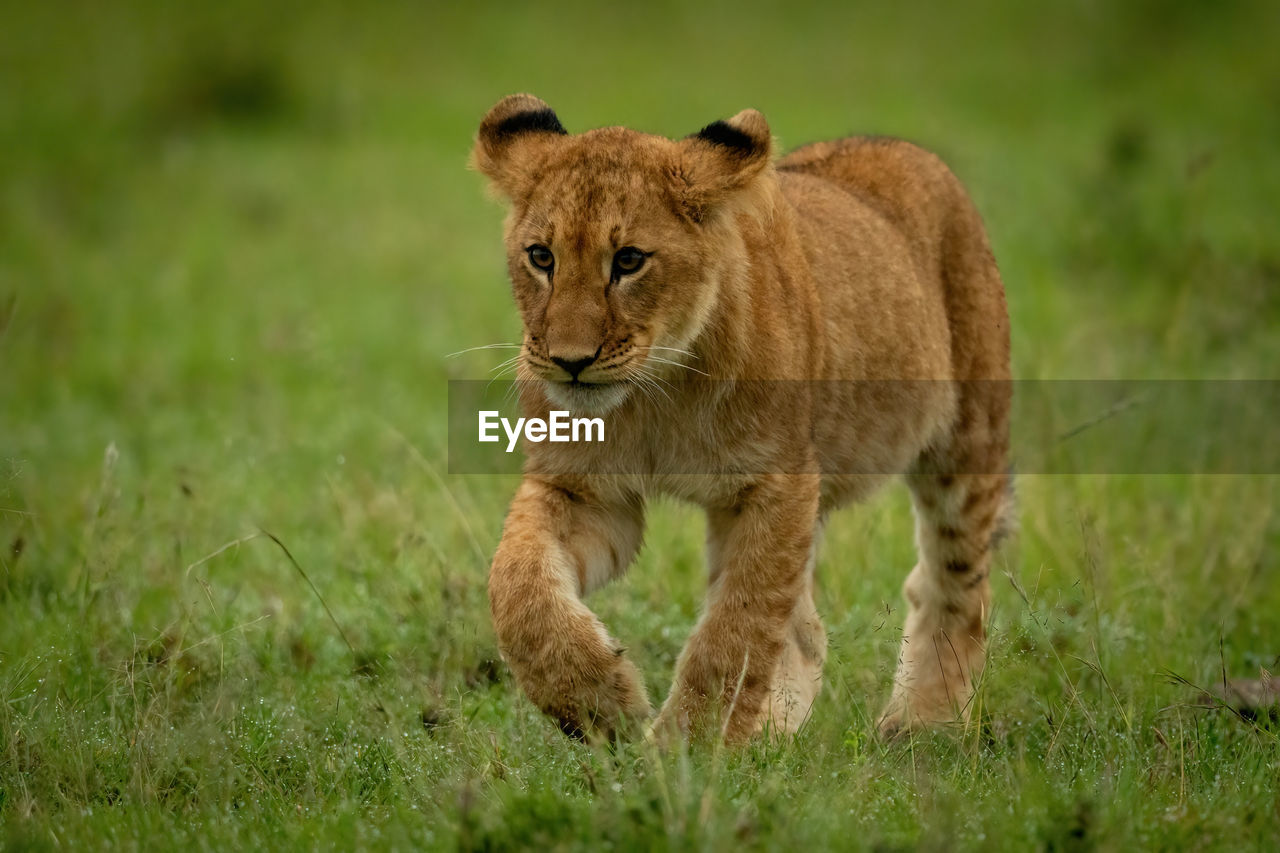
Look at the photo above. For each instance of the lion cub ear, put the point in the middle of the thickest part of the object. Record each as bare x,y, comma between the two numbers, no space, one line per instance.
513,139
722,159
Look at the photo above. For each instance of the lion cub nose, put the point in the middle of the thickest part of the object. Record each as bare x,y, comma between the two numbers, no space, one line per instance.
573,366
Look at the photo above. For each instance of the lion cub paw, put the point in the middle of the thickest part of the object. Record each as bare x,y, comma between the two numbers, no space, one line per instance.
608,705
902,717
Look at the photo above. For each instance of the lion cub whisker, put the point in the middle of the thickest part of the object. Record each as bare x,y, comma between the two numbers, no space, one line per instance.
673,349
688,367
482,347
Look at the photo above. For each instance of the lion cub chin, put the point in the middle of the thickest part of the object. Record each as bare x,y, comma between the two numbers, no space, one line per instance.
598,398
771,340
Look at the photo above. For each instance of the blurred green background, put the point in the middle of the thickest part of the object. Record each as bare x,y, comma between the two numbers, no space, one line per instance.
237,242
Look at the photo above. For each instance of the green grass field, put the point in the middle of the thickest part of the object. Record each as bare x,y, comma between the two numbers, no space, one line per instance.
236,244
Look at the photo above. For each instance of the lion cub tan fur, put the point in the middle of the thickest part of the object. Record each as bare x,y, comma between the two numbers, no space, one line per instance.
804,330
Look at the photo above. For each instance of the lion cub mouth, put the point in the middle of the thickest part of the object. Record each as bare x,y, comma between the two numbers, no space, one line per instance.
595,398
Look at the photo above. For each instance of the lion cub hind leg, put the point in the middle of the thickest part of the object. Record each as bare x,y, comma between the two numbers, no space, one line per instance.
556,546
959,517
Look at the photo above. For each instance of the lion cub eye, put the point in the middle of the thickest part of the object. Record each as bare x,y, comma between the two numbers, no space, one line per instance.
628,259
540,256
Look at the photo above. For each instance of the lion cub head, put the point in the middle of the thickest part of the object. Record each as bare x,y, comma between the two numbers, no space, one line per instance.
617,241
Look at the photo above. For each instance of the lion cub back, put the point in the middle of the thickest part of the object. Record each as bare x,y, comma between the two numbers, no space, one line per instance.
921,203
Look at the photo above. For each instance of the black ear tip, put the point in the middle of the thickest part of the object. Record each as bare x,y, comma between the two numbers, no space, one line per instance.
724,134
518,114
532,121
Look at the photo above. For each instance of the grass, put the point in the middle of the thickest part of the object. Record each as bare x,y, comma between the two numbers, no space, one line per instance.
237,242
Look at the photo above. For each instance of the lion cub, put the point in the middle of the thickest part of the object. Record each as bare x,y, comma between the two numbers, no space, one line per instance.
771,341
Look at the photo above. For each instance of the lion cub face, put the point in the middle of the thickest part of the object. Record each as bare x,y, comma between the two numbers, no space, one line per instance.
615,242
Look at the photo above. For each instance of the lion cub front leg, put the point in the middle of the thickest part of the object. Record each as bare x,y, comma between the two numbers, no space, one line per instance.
556,546
726,672
797,679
